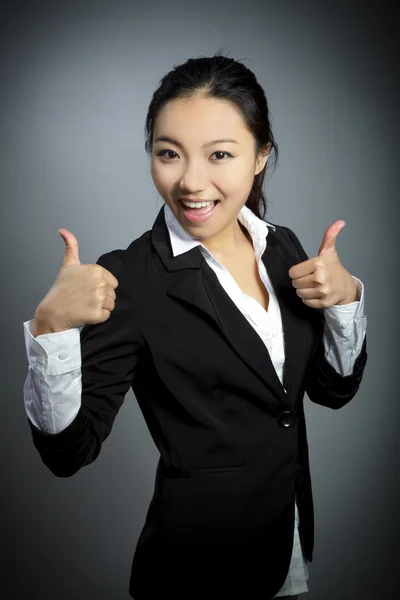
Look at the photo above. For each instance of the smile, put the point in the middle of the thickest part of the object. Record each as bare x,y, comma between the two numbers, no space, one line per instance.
198,212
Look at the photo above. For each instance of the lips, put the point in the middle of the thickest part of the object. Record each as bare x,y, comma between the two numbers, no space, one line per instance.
199,215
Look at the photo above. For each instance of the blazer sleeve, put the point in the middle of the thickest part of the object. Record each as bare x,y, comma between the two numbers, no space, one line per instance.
322,383
110,354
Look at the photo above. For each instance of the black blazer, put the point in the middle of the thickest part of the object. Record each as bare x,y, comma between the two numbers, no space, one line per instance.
233,444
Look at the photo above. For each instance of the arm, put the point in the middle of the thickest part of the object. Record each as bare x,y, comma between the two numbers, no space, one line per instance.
109,359
322,383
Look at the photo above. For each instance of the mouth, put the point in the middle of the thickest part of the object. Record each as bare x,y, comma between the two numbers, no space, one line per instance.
198,212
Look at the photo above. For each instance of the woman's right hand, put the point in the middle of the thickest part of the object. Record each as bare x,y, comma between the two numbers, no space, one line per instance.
80,295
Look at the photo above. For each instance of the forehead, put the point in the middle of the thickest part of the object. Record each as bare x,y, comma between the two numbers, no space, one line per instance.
196,119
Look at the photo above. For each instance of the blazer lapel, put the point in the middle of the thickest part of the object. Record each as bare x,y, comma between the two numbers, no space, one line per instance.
278,259
190,280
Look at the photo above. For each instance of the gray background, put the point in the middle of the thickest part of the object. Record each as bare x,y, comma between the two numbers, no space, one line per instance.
76,81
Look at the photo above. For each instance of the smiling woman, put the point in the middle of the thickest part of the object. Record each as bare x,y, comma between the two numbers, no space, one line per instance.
210,145
213,318
205,193
189,164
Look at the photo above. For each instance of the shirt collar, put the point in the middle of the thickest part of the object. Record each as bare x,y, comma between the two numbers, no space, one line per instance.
182,241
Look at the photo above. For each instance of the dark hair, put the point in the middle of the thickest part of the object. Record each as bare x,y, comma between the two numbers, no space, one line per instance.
221,77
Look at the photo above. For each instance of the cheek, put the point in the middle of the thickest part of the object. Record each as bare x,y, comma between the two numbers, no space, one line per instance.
238,187
162,178
239,179
156,172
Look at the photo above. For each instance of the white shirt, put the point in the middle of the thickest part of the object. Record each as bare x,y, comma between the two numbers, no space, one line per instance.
53,386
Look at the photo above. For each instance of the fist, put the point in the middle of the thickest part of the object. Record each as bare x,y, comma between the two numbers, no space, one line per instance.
322,281
80,294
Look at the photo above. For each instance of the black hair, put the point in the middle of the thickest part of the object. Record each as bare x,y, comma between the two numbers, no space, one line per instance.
221,77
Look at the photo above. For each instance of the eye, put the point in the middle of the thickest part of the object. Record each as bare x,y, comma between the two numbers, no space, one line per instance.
162,153
222,152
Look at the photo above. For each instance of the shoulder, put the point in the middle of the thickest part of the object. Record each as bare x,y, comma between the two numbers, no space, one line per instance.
119,259
284,233
290,234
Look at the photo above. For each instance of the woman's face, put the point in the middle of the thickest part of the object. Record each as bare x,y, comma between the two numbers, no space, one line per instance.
191,164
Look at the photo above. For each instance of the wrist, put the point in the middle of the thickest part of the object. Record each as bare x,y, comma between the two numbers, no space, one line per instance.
353,296
43,323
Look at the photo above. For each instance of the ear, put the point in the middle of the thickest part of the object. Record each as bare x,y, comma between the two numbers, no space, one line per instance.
262,159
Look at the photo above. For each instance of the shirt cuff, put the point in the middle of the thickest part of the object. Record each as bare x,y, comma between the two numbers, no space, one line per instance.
341,318
53,353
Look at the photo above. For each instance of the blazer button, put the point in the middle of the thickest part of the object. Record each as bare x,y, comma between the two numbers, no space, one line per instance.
286,419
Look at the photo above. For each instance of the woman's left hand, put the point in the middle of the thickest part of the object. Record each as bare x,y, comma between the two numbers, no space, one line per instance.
323,281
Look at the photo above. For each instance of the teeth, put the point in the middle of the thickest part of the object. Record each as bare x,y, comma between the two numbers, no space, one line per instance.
197,204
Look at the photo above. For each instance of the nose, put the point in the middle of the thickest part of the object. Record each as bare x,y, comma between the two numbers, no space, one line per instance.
193,180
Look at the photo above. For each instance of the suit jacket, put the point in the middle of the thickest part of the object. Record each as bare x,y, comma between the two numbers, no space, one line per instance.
232,442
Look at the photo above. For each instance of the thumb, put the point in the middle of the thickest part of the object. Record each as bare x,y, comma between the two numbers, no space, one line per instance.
71,252
329,240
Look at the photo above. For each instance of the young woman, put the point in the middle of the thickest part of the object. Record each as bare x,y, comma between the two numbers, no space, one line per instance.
220,323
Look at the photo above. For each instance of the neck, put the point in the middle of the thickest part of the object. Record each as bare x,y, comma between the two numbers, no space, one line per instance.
228,242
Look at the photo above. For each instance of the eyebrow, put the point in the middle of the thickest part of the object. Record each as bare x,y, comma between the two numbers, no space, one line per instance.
166,138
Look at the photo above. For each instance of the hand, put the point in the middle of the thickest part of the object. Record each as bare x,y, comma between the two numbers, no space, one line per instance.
323,281
80,295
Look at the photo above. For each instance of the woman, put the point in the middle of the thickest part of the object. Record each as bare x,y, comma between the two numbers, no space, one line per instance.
220,323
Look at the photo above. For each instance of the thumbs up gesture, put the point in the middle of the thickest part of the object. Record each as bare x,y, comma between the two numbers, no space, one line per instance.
80,295
323,281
